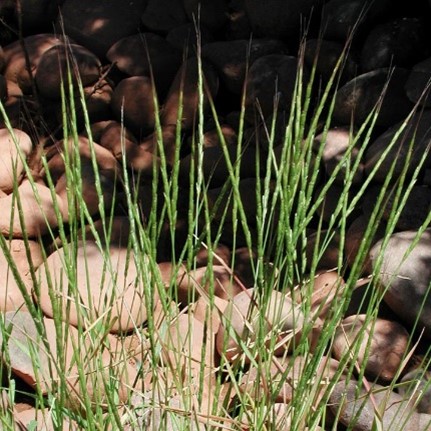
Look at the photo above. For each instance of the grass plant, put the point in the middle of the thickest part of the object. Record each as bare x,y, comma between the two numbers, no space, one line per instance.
176,387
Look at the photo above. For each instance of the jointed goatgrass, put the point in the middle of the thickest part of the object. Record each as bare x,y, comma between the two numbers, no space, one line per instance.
287,203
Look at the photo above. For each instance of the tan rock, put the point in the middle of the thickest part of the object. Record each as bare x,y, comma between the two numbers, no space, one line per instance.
387,347
107,288
38,211
283,321
14,149
11,297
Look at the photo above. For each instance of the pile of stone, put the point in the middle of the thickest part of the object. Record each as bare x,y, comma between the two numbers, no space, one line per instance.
133,63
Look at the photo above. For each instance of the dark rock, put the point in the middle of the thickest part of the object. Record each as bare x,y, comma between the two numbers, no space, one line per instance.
357,98
328,54
277,19
185,39
397,43
133,102
418,83
161,16
60,61
146,54
230,58
212,14
271,78
341,17
96,25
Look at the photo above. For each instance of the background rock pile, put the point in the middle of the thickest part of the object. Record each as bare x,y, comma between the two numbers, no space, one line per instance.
127,54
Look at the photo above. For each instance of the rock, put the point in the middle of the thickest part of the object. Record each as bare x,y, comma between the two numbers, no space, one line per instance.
417,85
325,54
2,59
354,237
269,77
36,14
38,213
24,351
16,70
340,151
163,16
283,322
209,312
396,43
133,103
358,97
121,142
213,15
184,38
277,417
341,17
185,81
357,411
41,419
406,279
145,54
215,169
97,26
412,215
230,58
415,386
52,71
14,149
277,19
327,258
386,349
416,135
107,288
285,376
324,288
3,89
11,297
108,174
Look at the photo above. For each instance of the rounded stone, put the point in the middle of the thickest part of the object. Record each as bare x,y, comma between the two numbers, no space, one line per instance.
97,26
107,287
52,71
283,322
403,272
27,257
386,349
133,101
14,149
357,99
15,69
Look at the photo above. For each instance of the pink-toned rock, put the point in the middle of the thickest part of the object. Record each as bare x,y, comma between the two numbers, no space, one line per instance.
107,287
36,46
38,213
282,323
389,343
14,149
209,312
11,297
108,172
